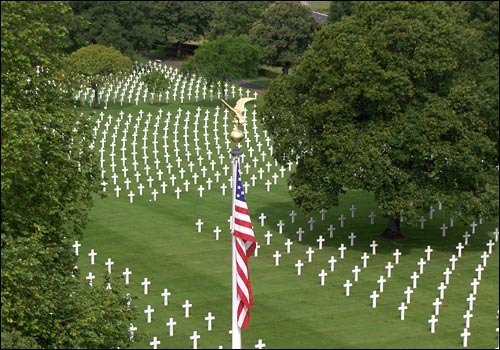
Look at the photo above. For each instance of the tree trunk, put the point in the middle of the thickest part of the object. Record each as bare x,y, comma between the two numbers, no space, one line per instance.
96,95
393,229
178,53
286,67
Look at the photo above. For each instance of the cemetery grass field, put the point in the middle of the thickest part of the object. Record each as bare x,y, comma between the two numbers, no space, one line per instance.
158,240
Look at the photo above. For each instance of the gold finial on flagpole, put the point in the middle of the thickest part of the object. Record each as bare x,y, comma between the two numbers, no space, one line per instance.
236,134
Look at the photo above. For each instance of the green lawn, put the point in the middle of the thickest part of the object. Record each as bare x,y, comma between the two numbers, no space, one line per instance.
159,240
321,6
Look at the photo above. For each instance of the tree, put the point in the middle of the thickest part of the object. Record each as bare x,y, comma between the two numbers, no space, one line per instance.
284,32
96,62
182,21
235,17
127,26
48,173
338,9
389,100
240,57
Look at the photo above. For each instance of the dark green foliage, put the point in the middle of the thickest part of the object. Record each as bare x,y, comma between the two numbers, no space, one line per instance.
127,26
224,58
48,174
235,17
338,9
390,100
284,32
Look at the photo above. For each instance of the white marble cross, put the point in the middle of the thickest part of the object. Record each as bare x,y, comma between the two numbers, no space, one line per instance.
92,255
323,212
352,236
217,231
342,248
268,236
459,248
187,305
195,338
389,268
280,224
131,331
402,309
330,230
260,344
470,299
165,296
447,274
322,276
453,260
293,214
443,229
332,262
465,334
76,245
309,253
414,277
396,255
288,244
490,245
127,274
347,286
381,282
311,223
277,257
155,343
146,284
299,266
475,283
209,318
428,251
320,241
109,263
374,297
422,220
433,320
467,316
421,264
149,311
90,277
473,226
262,218
442,287
353,210
341,219
170,324
374,246
199,223
365,257
372,217
437,303
356,271
408,292
299,233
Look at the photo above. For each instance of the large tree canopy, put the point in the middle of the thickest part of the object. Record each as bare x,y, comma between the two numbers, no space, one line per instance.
49,171
235,17
96,62
390,100
240,57
284,32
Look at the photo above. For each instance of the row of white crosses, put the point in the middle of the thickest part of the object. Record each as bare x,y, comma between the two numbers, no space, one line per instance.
206,164
125,88
149,310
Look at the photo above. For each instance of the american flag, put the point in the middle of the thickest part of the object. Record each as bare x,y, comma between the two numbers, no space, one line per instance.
245,246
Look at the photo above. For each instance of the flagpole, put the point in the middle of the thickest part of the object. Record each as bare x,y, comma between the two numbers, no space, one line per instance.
236,331
236,136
